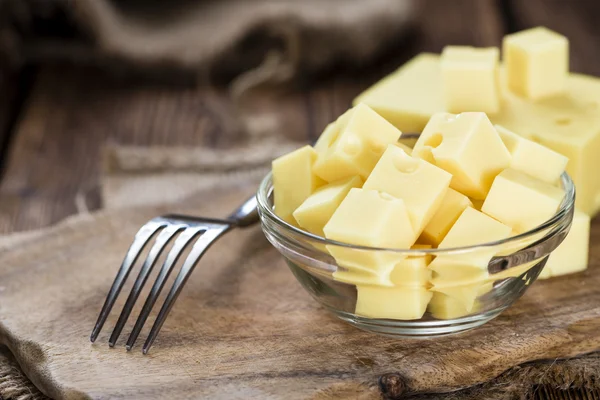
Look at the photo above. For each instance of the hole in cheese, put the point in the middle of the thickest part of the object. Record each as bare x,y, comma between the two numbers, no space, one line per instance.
406,164
434,140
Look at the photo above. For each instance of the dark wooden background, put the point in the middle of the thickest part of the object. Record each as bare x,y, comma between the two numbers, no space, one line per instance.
54,118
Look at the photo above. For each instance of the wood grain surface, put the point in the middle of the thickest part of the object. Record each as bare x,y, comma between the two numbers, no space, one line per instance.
54,164
245,328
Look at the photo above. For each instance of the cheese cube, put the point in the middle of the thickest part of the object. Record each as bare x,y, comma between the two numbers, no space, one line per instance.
391,303
315,211
294,181
470,79
442,306
410,96
369,218
452,206
420,185
537,62
520,201
361,139
413,271
472,228
465,294
532,158
467,146
572,254
326,138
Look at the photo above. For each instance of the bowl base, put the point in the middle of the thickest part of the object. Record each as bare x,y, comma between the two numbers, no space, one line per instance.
417,329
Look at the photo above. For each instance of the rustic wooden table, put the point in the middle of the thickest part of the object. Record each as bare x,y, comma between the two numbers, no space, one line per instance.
54,119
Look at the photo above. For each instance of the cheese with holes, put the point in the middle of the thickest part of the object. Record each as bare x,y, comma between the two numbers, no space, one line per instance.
413,271
468,147
404,147
572,254
391,303
369,218
410,96
452,206
470,79
537,62
293,181
568,124
355,145
317,209
532,158
471,228
420,185
521,201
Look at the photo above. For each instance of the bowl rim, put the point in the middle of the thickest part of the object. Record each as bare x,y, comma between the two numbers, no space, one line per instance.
566,207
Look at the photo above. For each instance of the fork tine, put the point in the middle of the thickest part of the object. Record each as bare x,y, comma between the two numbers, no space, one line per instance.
180,244
201,245
139,242
163,239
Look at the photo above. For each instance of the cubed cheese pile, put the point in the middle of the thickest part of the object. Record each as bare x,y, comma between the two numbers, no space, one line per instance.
359,185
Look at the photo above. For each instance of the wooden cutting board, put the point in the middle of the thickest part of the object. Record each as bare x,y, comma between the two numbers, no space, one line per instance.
244,328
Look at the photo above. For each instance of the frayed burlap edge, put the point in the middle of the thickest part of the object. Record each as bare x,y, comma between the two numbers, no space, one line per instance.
14,385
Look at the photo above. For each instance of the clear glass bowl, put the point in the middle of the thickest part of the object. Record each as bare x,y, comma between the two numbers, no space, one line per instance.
514,265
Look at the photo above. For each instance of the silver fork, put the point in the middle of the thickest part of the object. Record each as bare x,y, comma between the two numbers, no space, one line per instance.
204,231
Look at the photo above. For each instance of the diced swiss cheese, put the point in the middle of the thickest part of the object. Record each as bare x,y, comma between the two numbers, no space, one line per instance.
420,185
532,158
452,206
472,228
293,181
537,62
467,146
317,209
391,303
374,219
572,254
360,138
521,201
413,271
470,79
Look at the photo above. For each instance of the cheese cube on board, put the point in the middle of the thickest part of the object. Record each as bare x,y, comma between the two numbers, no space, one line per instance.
532,158
369,218
294,181
412,271
391,303
452,206
360,139
571,255
521,201
467,146
420,185
410,96
470,79
317,209
471,228
537,62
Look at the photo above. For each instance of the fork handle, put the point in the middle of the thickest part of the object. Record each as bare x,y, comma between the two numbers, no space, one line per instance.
246,214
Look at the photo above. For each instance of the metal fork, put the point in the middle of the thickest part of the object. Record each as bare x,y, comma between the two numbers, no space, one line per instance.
204,231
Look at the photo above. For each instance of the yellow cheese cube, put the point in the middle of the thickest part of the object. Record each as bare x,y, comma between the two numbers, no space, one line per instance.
537,62
369,218
470,79
391,303
362,136
572,254
413,271
452,206
532,158
326,138
467,146
442,306
316,210
294,181
521,201
472,227
410,96
465,294
404,147
421,185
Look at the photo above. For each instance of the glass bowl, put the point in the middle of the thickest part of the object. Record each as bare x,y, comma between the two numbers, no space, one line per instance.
452,306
